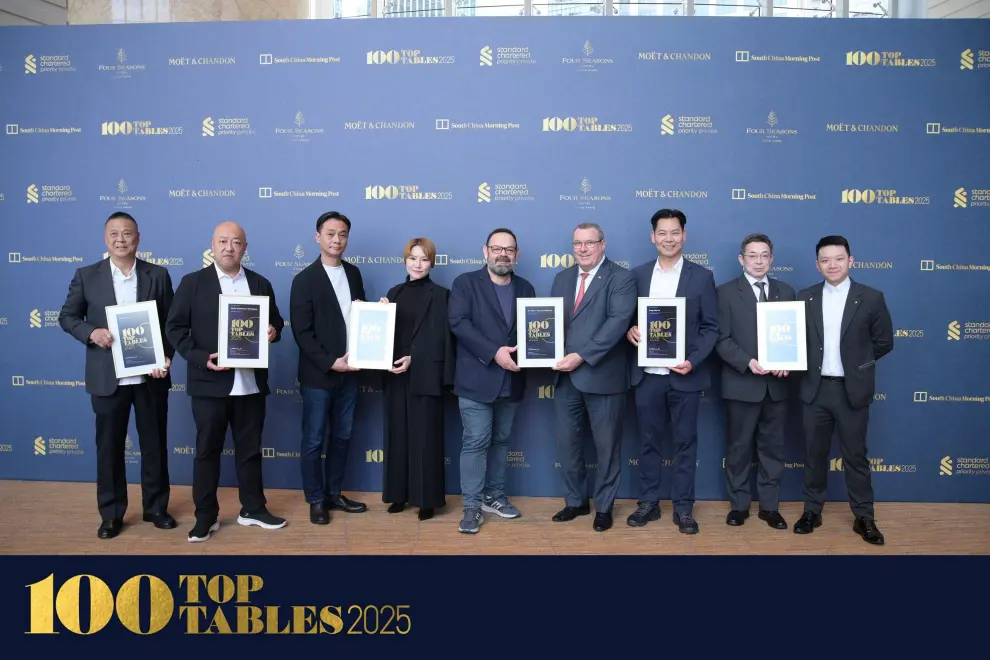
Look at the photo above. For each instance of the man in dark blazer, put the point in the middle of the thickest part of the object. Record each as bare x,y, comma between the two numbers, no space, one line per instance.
487,381
222,396
676,389
755,399
593,377
319,311
121,279
849,328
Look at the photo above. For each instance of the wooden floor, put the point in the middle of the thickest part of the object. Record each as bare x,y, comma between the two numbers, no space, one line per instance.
61,518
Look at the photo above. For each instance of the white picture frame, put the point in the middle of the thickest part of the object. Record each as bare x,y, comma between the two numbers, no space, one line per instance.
137,345
251,350
781,332
371,335
525,307
643,309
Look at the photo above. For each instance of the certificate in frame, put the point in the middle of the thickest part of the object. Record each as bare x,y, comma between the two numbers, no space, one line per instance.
137,338
661,324
371,335
243,332
781,331
539,331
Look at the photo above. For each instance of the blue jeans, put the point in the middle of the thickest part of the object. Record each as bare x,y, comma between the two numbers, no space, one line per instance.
323,477
485,448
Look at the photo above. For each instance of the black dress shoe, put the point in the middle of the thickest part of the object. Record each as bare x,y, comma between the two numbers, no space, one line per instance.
425,514
644,513
318,514
110,528
397,507
774,519
866,528
603,521
737,518
343,504
571,512
807,523
160,520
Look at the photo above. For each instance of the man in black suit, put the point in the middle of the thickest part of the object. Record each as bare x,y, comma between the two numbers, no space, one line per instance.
593,377
122,279
487,381
676,389
319,311
222,396
755,399
849,329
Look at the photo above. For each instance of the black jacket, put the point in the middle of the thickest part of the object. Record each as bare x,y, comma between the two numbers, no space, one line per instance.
431,369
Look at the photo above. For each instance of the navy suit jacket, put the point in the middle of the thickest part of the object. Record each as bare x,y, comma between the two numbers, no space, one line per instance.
596,331
697,287
476,322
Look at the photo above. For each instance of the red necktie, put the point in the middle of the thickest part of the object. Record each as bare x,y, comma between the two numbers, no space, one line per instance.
580,297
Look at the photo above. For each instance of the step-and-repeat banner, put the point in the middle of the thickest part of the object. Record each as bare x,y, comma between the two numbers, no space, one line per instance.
876,130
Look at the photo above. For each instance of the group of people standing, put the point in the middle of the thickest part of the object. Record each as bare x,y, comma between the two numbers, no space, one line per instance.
462,340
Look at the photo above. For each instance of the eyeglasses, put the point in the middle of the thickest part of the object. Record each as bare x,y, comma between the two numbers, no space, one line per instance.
763,256
587,244
498,249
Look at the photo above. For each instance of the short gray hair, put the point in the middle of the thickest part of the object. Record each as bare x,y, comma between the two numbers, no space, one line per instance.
592,225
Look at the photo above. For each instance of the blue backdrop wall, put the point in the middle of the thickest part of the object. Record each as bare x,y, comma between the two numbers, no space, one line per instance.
877,130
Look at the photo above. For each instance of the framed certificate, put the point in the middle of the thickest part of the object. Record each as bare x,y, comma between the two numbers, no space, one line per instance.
781,338
137,338
661,324
243,332
371,335
539,331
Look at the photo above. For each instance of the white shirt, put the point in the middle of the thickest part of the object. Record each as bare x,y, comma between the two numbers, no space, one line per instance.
756,290
663,284
588,279
338,278
125,290
833,305
244,380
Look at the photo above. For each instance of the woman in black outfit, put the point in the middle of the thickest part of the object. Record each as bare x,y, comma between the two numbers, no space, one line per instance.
414,388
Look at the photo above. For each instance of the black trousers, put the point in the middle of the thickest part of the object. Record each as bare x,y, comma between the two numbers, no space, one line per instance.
831,411
245,415
113,415
755,426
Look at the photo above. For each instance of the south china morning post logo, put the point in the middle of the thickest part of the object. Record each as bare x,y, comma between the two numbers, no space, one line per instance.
505,56
970,60
271,59
933,265
671,124
583,125
406,57
929,397
124,68
876,465
774,132
585,198
960,330
972,466
271,452
587,61
43,64
938,128
882,196
299,130
24,381
123,198
21,258
887,59
141,127
747,56
49,194
268,192
963,198
226,127
744,194
405,193
197,605
447,124
504,192
21,129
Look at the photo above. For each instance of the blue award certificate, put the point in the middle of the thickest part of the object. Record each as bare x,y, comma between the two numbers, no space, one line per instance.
661,332
781,340
539,331
137,338
371,335
242,332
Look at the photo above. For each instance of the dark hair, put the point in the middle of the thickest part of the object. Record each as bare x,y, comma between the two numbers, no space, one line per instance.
825,241
502,230
332,215
120,215
668,213
756,238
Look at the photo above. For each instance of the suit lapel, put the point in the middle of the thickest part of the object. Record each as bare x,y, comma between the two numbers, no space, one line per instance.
488,293
143,282
320,273
746,293
774,291
684,280
852,306
593,285
422,312
816,311
106,278
569,292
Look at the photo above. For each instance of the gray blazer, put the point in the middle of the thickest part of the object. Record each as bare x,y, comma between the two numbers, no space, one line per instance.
597,330
90,292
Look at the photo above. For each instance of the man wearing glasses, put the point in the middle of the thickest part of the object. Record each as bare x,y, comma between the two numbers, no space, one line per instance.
755,399
487,381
